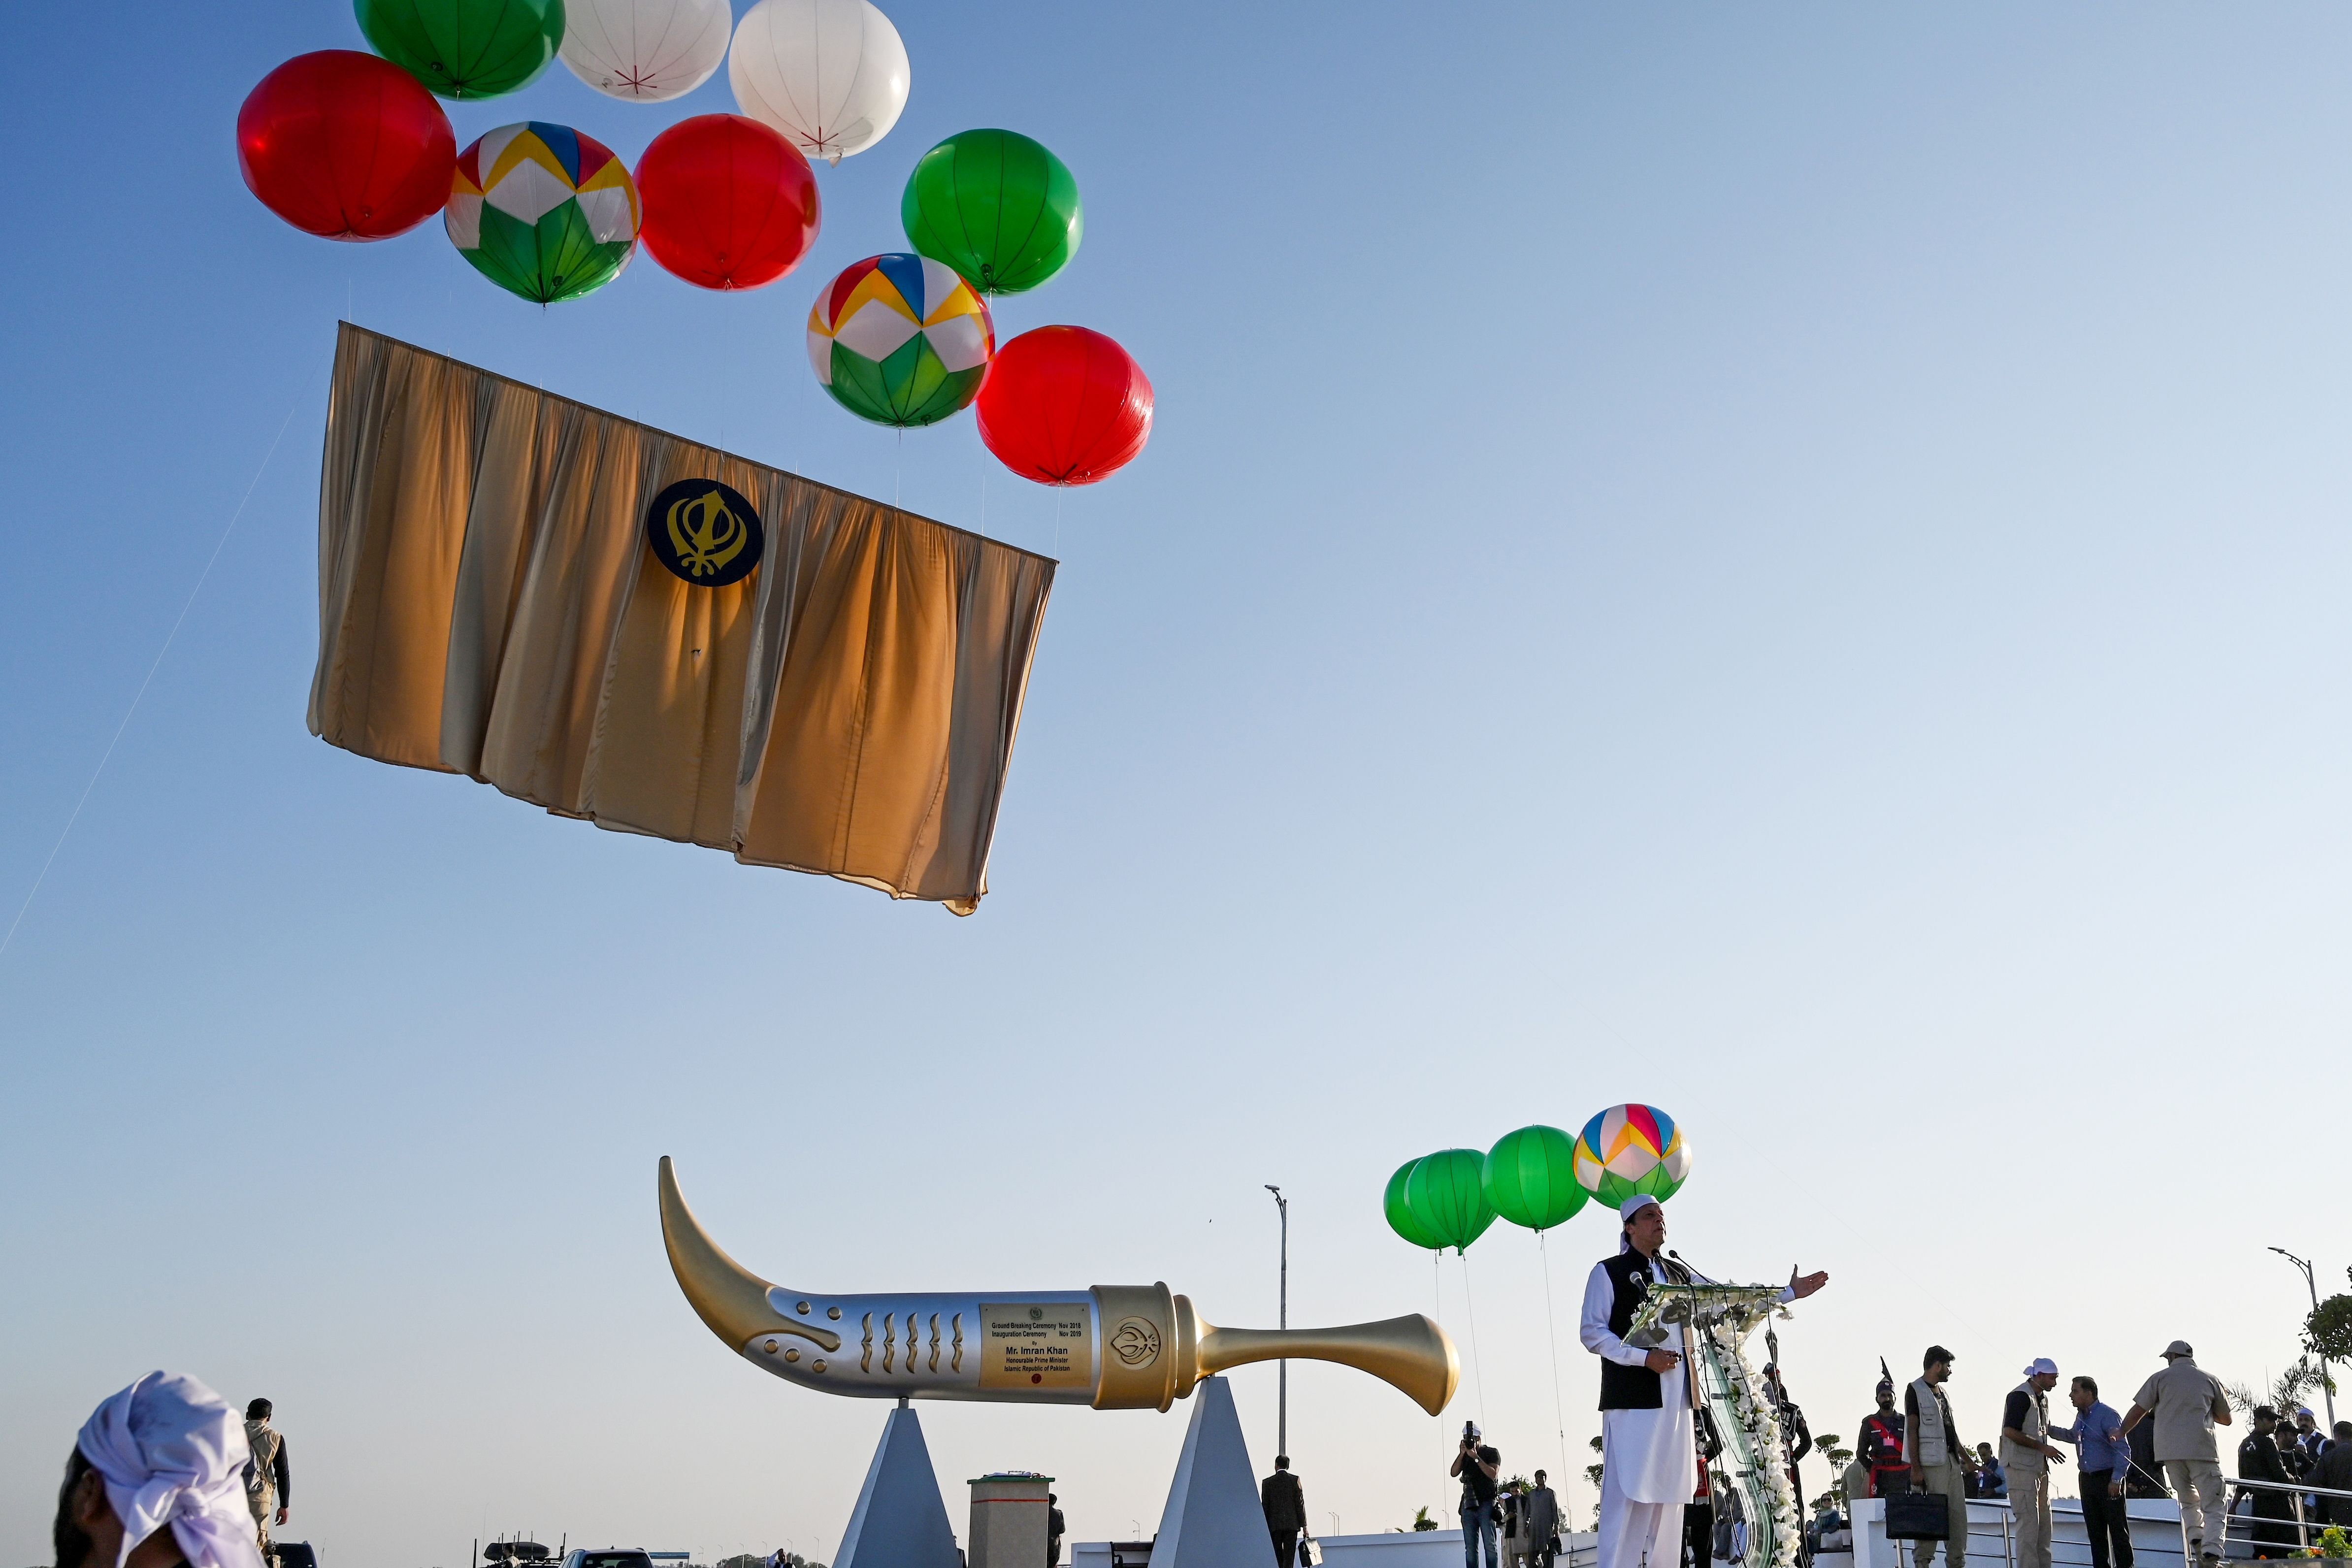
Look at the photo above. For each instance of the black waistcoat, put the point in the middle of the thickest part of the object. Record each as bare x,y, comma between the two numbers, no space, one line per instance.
1631,1387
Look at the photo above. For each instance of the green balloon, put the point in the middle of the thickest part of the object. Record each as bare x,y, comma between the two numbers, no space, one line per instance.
1446,1193
996,207
1399,1213
1530,1177
466,48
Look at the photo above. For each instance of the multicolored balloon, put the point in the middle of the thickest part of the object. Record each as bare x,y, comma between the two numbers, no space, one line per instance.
1530,1177
729,204
900,339
466,48
1446,1194
1065,405
1629,1151
646,51
1399,1213
346,146
996,207
544,211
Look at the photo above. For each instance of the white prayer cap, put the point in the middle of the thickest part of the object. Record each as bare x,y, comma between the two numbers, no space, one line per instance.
1636,1204
170,1451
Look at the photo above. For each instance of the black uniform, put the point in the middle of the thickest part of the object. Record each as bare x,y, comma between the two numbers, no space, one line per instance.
2258,1460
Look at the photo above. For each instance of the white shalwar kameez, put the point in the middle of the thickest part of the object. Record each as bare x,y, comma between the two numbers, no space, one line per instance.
1649,1458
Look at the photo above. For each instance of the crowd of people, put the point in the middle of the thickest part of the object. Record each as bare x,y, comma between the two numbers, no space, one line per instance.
165,1475
2165,1445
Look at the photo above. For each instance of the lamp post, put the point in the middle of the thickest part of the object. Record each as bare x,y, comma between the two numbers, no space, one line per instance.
1282,1368
2313,1286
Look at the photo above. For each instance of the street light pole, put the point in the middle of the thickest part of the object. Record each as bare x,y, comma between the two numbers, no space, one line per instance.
1282,1368
2313,1286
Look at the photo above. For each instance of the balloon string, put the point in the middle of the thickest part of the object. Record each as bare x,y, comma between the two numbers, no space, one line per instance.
1437,1291
1471,1307
1551,1322
218,545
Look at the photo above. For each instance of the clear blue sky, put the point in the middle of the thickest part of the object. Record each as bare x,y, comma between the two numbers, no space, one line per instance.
1787,563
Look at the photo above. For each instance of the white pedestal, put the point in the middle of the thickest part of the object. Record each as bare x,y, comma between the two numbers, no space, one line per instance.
900,1520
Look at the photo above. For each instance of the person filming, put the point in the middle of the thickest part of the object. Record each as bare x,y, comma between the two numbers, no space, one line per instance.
1477,1466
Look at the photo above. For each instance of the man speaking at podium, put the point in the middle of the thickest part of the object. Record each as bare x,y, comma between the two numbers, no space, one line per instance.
1648,1444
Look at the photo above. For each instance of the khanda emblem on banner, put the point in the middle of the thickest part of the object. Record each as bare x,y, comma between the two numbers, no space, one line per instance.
705,532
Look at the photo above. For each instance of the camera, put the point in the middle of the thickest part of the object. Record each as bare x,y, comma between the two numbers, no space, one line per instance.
1469,1433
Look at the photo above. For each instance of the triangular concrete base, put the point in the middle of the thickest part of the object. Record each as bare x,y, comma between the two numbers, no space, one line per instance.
1213,1519
899,1522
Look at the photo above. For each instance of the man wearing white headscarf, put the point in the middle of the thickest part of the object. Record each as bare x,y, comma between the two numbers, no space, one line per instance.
1649,1450
270,1478
156,1479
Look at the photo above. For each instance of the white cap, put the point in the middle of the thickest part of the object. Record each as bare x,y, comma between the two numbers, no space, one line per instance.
2042,1367
1636,1204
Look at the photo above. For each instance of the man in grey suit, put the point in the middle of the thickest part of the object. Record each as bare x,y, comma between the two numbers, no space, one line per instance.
1539,1521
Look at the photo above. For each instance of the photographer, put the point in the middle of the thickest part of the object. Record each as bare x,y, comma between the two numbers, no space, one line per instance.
1477,1466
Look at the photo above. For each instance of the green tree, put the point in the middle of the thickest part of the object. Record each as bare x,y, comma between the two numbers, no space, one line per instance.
1839,1456
2327,1332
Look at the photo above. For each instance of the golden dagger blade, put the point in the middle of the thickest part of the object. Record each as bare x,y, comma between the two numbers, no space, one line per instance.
1115,1347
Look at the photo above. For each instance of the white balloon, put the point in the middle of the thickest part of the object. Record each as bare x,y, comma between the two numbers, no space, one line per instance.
647,51
830,74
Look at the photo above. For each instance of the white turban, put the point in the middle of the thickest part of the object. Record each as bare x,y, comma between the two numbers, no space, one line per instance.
170,1451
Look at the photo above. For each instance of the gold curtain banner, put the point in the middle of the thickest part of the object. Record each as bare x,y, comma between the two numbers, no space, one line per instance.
488,606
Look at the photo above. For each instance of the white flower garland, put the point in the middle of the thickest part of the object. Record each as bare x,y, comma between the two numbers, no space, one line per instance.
1762,1424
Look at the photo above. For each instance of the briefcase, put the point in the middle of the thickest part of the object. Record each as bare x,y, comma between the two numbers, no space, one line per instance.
1918,1516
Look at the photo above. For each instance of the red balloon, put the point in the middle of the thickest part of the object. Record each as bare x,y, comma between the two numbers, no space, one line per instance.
1064,405
729,202
345,145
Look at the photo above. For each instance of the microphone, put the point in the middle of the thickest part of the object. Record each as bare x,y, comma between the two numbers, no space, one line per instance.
1695,1275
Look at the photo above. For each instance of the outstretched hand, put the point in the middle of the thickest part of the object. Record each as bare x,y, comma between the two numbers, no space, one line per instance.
1805,1285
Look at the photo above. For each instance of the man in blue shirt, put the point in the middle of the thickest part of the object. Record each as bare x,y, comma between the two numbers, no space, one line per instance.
2104,1461
1990,1481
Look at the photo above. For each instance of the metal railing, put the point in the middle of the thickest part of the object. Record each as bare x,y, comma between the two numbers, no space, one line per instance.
2306,1529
